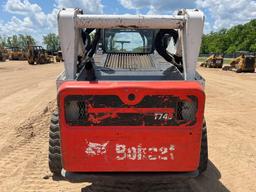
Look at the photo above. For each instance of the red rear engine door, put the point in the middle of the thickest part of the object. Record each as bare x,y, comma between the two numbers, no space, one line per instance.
131,126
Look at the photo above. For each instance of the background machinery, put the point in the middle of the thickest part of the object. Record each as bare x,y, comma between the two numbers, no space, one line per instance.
131,107
58,56
213,61
37,55
16,53
3,54
244,63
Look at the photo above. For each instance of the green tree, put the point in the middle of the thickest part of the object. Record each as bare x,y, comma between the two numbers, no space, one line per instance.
237,38
25,41
3,41
21,41
52,42
139,49
9,42
14,41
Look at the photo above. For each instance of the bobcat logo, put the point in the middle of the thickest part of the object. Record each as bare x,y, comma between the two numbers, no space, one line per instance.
95,149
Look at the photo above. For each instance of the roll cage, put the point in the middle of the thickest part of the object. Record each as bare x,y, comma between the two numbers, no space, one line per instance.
188,23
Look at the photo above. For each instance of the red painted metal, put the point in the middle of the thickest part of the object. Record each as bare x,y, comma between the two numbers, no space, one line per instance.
129,110
131,148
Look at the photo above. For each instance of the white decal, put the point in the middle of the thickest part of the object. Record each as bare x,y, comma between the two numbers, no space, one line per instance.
133,153
152,151
163,152
162,116
120,149
143,153
94,149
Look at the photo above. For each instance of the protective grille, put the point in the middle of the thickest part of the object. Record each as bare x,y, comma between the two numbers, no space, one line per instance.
109,110
128,61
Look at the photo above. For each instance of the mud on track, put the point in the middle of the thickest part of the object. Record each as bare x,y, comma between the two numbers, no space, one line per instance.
27,99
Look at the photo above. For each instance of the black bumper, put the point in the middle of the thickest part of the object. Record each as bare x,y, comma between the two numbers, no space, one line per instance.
152,177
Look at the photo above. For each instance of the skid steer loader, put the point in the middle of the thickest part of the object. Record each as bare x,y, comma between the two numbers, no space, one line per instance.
213,61
37,55
244,63
129,109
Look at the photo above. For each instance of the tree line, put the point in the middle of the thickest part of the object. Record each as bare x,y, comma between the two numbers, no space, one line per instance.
228,41
51,41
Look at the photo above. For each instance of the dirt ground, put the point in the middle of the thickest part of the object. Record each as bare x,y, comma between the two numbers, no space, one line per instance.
27,98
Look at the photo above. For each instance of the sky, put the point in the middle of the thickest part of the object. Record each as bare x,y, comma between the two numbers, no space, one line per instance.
38,17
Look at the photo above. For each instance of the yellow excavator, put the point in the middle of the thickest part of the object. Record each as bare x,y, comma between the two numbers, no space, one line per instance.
244,63
213,61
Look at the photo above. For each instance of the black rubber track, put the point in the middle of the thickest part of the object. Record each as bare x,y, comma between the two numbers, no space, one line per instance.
31,62
204,151
55,164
